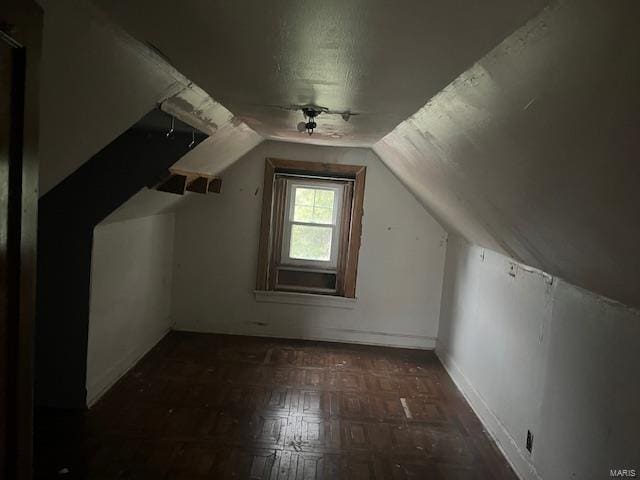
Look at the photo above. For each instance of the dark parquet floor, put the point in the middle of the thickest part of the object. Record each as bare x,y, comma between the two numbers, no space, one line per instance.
204,406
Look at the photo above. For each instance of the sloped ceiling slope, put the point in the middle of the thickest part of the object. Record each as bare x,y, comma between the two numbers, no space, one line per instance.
229,137
98,81
228,140
535,150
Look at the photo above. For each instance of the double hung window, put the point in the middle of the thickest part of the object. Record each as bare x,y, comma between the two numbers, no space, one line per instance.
311,225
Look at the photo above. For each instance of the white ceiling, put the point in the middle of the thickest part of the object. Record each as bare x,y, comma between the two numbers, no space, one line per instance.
382,59
519,136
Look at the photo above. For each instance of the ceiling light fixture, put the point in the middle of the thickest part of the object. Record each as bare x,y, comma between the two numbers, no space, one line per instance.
310,114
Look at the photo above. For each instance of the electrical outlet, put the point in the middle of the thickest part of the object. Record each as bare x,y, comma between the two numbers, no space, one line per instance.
529,441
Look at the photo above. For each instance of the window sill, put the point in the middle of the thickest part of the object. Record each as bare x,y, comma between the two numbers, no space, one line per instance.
305,299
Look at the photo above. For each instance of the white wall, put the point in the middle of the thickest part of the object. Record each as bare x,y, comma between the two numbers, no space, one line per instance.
533,352
131,275
399,276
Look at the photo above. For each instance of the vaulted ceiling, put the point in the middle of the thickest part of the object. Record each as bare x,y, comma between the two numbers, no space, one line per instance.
381,59
514,123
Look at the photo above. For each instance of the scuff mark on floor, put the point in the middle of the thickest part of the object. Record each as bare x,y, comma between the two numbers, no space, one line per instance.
405,407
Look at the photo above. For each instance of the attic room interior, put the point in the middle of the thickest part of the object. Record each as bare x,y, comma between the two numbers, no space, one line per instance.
291,240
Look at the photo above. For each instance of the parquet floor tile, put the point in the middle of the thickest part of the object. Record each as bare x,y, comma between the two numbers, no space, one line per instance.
203,406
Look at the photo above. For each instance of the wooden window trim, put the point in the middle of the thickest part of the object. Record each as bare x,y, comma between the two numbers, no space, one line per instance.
351,226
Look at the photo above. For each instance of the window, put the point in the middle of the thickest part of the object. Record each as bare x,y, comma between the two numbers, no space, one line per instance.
311,223
311,227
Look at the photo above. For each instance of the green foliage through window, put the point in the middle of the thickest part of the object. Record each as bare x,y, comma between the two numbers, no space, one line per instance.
310,243
314,206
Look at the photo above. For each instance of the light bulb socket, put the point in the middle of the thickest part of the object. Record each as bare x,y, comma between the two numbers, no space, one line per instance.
310,126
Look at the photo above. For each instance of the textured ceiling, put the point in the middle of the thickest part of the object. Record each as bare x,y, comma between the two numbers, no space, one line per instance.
531,151
534,151
379,58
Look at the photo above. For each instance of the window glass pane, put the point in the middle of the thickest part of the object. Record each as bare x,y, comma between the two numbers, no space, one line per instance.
324,198
310,242
322,215
303,214
305,196
313,205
